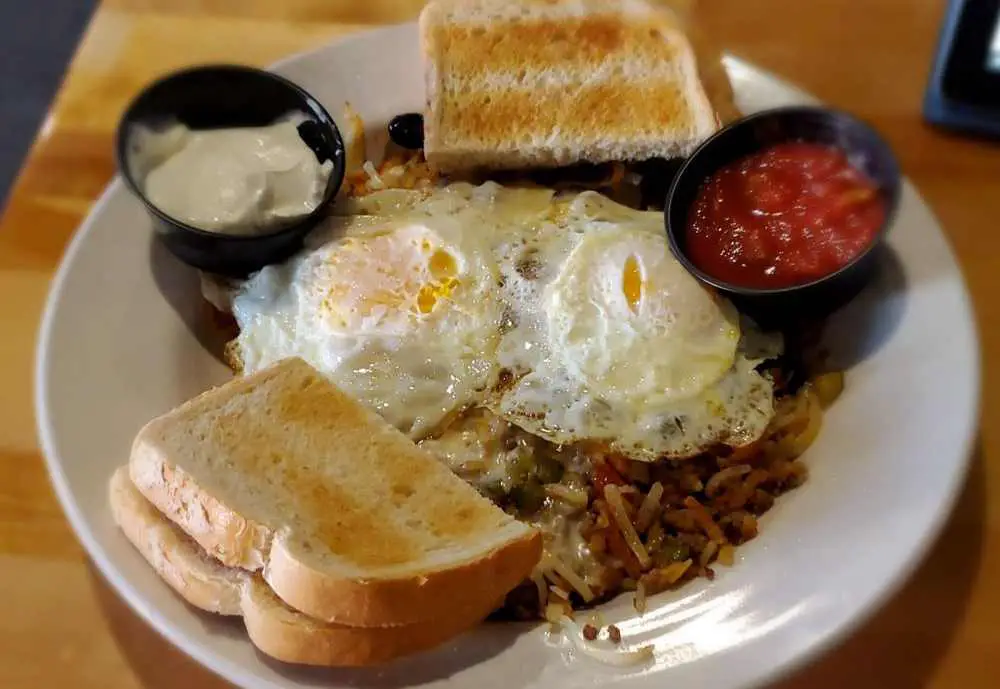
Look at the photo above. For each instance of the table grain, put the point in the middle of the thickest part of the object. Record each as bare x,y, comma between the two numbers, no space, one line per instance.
61,626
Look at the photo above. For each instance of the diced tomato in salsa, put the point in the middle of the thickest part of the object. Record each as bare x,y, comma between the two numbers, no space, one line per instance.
787,215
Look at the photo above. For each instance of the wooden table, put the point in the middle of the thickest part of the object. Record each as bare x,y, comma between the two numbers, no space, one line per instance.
62,626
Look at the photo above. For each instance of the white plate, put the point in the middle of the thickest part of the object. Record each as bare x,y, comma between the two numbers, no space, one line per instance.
120,344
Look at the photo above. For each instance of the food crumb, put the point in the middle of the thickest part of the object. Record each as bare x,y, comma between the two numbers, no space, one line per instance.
615,634
589,632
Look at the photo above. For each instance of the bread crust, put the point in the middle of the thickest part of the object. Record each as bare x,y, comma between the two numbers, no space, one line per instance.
406,599
425,28
197,578
224,534
288,635
472,579
276,629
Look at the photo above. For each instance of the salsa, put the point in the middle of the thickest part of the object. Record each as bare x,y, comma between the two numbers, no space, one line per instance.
787,215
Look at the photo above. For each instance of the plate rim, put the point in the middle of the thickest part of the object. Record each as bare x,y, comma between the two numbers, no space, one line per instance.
821,642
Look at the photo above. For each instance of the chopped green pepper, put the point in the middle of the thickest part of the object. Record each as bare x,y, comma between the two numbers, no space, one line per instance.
528,497
672,551
548,470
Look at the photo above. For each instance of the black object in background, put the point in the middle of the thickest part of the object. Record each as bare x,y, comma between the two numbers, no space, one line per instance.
37,41
964,88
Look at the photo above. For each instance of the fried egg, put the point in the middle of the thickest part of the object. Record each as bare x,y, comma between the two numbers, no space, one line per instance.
616,342
564,315
400,311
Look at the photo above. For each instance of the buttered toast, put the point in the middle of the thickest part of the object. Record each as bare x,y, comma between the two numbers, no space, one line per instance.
544,84
347,520
276,629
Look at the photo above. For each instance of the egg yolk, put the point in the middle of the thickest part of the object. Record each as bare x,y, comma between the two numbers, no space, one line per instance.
632,283
442,269
389,274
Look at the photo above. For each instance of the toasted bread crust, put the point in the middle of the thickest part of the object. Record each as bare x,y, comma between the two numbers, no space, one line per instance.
406,598
290,636
324,552
221,532
529,84
196,577
276,629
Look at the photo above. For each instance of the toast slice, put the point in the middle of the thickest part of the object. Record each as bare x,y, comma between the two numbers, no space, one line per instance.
276,629
536,83
280,472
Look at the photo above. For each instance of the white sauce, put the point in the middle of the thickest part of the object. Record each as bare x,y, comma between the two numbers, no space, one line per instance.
246,180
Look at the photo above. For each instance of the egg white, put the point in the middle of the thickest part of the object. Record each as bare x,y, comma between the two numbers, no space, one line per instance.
399,311
615,342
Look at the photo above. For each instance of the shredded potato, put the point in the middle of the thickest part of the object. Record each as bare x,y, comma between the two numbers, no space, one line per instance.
711,548
650,508
828,387
811,418
716,482
704,519
557,612
554,564
559,592
577,497
543,590
675,571
354,135
613,495
639,602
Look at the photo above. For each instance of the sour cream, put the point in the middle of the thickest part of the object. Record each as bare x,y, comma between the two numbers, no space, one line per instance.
246,180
